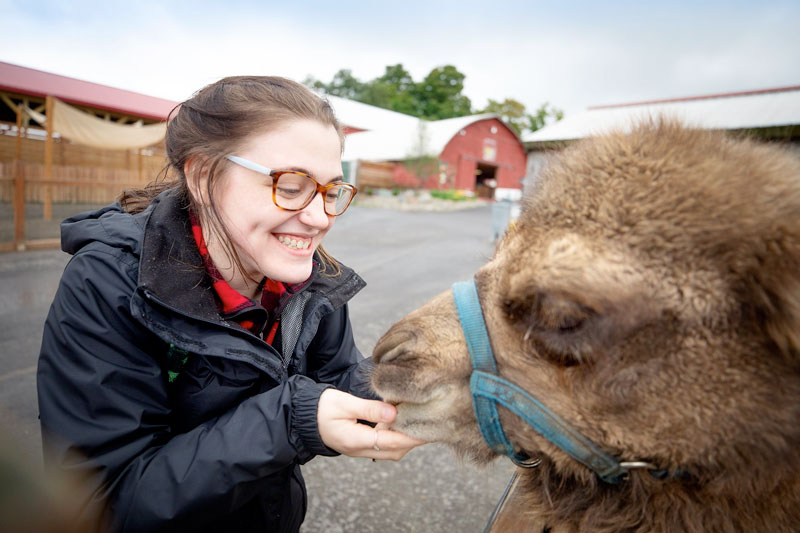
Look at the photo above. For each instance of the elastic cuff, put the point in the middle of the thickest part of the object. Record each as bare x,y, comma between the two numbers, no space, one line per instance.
304,422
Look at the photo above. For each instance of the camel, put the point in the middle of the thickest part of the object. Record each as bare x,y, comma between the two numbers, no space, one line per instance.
648,297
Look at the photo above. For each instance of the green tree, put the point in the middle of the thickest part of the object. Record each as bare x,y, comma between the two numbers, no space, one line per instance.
392,90
542,116
398,78
511,112
439,94
399,89
344,84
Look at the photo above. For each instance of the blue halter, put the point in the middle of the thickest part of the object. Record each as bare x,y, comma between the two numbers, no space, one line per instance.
489,389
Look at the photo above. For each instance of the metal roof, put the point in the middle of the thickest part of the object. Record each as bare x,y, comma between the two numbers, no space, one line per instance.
731,111
368,117
28,81
408,139
389,136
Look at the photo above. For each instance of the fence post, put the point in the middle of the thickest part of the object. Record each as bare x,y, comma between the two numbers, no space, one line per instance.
19,188
48,158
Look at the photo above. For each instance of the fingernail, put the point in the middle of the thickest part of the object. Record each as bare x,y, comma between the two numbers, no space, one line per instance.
388,413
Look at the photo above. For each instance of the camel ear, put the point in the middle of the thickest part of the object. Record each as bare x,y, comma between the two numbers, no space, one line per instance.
775,293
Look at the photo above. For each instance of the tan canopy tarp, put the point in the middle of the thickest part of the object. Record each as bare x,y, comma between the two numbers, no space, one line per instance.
83,128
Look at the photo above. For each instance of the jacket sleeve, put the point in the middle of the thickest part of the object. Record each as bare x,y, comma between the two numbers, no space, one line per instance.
105,414
334,358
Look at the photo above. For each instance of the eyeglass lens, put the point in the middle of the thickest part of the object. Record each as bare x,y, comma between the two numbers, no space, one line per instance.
294,191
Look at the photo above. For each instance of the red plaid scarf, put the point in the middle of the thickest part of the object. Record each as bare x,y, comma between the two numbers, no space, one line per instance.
235,306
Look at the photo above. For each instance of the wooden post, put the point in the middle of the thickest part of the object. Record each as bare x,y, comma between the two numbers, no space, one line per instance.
48,158
140,163
19,188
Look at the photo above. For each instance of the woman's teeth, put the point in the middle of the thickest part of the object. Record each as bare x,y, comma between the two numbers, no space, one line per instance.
296,244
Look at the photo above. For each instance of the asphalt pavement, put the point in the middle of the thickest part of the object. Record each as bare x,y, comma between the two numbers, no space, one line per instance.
406,257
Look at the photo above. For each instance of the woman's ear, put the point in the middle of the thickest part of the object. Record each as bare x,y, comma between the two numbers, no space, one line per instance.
196,171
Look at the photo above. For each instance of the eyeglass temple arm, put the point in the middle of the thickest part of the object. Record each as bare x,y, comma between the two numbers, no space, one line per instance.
249,164
268,171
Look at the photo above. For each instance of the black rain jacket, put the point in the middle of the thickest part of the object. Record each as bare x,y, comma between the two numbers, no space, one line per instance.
174,418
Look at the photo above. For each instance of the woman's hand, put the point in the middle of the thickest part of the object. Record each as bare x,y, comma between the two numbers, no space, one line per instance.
336,417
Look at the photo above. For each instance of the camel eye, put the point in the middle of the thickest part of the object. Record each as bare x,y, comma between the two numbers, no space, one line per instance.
555,325
515,310
570,323
547,313
559,313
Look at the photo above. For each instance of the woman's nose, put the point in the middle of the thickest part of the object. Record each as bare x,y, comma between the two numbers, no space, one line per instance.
314,213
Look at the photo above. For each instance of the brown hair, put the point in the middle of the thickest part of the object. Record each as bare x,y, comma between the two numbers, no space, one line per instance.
215,122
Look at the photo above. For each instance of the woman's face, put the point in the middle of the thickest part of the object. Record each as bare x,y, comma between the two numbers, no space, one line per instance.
256,225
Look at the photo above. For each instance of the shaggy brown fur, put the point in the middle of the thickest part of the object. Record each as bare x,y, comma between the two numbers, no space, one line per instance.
650,296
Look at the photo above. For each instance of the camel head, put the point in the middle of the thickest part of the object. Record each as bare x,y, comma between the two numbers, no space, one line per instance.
649,296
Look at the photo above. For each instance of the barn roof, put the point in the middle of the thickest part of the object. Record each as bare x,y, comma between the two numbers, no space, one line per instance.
368,117
407,139
28,81
730,111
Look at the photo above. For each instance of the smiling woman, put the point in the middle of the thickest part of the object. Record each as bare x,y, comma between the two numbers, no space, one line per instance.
258,221
198,349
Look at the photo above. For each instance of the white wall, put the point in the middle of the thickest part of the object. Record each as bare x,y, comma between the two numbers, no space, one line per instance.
512,195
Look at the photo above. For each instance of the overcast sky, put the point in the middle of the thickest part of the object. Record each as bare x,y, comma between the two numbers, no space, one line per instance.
571,54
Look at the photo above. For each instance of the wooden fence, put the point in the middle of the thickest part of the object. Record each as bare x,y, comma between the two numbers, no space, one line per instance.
71,185
81,177
375,174
33,205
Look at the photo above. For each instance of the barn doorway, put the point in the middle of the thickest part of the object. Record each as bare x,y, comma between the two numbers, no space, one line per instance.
485,181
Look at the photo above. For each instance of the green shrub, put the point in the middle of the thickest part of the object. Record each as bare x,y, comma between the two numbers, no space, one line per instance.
454,195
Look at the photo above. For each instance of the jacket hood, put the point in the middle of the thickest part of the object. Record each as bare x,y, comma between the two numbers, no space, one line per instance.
110,226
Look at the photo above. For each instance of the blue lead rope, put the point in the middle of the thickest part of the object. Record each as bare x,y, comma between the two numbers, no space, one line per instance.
488,389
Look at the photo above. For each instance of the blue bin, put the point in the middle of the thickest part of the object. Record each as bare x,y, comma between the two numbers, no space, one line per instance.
501,216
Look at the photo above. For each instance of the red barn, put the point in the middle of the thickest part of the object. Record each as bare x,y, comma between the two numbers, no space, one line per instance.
477,153
487,155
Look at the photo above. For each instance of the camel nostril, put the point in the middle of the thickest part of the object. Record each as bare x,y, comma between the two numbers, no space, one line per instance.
391,345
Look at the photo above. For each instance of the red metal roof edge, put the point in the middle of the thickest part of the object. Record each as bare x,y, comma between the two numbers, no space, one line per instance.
702,97
39,83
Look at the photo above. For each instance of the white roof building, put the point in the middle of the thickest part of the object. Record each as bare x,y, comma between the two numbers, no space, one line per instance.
367,117
407,140
772,113
393,136
766,108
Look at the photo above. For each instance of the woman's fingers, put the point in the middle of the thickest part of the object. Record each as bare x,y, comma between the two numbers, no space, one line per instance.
337,417
349,406
392,444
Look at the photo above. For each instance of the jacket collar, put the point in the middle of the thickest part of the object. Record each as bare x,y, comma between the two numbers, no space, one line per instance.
171,268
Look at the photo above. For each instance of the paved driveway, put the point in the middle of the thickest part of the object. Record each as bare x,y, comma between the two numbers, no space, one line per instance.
406,258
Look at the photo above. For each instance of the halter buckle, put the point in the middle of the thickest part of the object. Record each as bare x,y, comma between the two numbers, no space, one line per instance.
527,463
